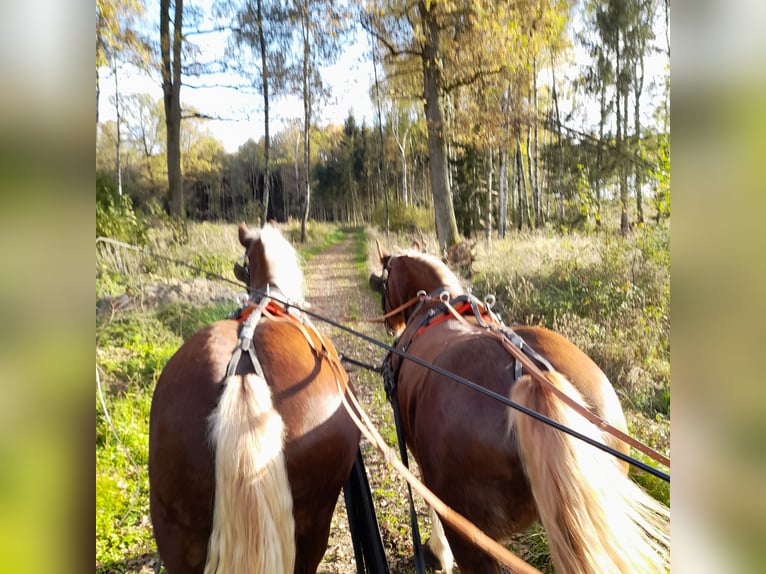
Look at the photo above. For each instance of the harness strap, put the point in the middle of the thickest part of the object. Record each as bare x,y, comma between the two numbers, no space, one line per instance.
526,357
249,320
400,308
389,383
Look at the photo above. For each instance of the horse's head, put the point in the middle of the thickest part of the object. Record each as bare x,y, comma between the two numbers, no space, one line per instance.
270,261
403,277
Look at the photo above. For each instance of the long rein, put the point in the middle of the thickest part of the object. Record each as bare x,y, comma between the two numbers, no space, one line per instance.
505,400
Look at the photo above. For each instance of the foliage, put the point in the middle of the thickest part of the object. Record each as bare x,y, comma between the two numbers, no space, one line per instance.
403,218
122,482
132,349
662,176
115,216
185,319
609,295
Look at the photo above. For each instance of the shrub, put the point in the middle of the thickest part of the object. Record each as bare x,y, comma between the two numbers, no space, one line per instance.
403,218
115,216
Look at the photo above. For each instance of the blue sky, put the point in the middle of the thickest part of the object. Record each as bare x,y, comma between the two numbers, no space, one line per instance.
349,80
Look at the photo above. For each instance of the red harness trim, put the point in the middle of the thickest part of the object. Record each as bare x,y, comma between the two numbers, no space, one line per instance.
462,309
271,307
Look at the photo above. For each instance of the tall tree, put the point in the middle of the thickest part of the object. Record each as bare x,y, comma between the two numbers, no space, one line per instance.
454,43
117,37
261,27
170,50
321,27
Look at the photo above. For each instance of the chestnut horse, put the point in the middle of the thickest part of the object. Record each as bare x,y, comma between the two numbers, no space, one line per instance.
246,461
501,468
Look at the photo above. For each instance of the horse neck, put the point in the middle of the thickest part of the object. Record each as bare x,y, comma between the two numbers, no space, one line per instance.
280,287
423,275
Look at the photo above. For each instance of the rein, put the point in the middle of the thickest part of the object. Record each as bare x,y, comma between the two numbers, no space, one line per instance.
527,358
406,305
478,388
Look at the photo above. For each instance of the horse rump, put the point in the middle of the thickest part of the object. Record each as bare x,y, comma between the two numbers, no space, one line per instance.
596,518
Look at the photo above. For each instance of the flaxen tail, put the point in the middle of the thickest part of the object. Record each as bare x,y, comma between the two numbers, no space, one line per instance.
596,518
253,525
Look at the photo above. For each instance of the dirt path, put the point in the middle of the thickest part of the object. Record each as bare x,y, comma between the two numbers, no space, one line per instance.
336,288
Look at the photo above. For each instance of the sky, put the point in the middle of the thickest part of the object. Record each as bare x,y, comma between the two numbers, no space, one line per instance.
349,80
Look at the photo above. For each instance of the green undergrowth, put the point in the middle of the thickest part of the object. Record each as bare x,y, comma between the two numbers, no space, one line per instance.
132,349
360,248
609,295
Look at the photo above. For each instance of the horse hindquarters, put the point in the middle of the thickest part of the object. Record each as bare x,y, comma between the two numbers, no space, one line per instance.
596,518
253,525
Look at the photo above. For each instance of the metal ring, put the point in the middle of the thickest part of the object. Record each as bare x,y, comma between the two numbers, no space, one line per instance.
421,295
489,301
444,296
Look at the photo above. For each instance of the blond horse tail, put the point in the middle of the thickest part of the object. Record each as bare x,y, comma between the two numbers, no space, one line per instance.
253,525
596,518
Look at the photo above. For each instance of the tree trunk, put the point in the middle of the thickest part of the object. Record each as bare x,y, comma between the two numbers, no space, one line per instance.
532,189
518,171
297,167
402,145
306,118
380,138
639,167
523,187
171,88
446,225
536,182
503,190
490,167
266,142
118,143
98,94
600,151
624,221
560,167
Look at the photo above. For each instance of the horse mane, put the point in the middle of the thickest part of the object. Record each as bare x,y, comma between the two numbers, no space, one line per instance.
283,264
443,273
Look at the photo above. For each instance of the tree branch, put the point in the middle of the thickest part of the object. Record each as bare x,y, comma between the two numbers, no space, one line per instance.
478,74
195,115
392,50
211,31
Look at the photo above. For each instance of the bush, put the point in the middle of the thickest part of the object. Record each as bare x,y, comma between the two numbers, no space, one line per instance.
403,218
115,216
609,295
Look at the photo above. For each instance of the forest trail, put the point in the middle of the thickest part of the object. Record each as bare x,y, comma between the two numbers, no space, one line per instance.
337,289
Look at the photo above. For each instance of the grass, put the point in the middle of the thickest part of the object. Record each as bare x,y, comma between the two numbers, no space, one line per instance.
132,348
608,294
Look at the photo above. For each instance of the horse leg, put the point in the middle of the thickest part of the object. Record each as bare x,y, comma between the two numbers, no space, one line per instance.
469,558
183,550
312,534
438,544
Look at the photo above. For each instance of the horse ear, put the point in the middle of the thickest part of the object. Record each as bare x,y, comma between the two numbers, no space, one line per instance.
382,253
244,234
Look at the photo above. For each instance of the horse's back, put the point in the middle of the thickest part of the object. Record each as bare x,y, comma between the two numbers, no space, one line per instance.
459,436
321,440
447,421
586,376
181,464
